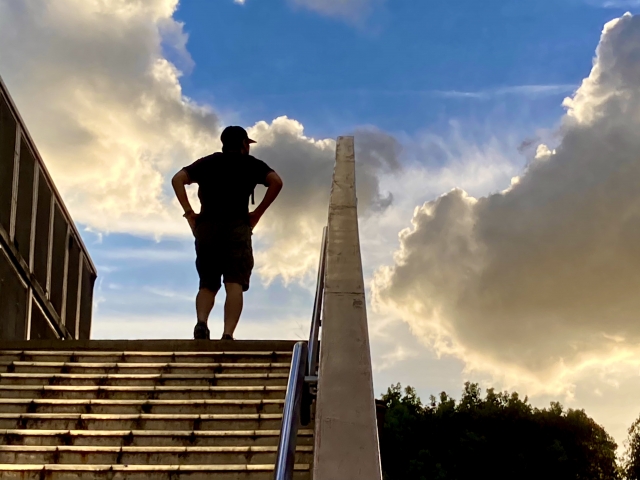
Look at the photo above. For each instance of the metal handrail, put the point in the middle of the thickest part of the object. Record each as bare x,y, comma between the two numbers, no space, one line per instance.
316,321
304,366
291,414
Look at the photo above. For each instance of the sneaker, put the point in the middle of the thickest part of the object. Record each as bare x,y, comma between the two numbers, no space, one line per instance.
201,332
226,336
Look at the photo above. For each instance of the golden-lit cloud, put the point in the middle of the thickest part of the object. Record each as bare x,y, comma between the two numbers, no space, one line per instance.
538,284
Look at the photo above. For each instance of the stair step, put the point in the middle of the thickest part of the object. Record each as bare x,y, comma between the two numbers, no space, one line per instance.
145,410
147,455
173,407
92,421
143,368
83,356
149,438
156,472
140,393
169,379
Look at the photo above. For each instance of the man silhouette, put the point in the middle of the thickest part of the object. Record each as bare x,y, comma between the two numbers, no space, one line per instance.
224,226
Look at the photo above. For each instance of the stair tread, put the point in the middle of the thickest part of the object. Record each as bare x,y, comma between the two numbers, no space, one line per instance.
186,376
143,416
18,363
128,449
79,353
100,401
142,388
150,433
144,468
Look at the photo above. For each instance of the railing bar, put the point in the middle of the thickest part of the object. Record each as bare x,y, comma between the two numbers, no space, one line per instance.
317,309
302,375
291,414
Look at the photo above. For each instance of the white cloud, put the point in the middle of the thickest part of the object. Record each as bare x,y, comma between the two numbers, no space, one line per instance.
148,254
104,105
351,9
614,3
108,114
538,284
520,90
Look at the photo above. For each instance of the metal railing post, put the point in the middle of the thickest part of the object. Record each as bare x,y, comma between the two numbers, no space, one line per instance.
314,335
285,460
304,366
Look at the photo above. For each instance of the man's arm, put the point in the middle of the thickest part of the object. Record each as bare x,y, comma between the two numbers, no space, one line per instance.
178,182
274,185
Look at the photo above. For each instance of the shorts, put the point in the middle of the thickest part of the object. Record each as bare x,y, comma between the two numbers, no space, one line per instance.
223,250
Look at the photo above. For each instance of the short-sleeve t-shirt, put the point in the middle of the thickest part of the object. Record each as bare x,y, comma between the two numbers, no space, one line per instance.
225,183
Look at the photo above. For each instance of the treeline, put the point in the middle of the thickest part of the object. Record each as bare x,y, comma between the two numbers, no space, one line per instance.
498,436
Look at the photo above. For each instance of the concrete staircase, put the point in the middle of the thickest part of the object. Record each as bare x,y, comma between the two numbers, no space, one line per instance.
145,410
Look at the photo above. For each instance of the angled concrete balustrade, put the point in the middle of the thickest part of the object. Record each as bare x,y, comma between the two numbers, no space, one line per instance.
346,429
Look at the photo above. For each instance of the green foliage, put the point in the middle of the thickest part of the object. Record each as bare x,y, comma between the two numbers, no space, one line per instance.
631,460
498,436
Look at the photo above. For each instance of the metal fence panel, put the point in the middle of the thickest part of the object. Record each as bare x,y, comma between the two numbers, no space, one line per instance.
42,233
24,212
71,305
85,302
13,304
41,328
7,152
58,258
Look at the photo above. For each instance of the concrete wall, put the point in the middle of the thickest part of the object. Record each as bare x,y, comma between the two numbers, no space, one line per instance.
346,441
46,274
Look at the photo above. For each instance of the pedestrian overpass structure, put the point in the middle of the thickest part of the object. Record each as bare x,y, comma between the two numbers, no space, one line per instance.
81,409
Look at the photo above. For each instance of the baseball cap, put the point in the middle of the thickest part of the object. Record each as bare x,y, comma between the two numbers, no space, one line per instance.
234,135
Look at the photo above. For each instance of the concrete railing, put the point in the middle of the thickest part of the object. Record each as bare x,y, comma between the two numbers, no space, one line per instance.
346,435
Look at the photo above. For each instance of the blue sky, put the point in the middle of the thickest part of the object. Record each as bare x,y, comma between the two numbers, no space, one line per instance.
496,70
118,99
399,68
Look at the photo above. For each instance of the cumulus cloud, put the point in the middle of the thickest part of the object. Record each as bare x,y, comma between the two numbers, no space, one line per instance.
104,105
292,229
538,283
107,111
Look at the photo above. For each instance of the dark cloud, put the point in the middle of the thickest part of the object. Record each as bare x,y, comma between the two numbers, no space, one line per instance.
377,153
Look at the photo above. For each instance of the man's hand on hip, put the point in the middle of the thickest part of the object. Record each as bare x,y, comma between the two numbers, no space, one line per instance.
191,218
274,185
254,218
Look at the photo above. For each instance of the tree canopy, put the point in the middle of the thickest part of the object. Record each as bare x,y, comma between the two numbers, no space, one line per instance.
631,459
498,436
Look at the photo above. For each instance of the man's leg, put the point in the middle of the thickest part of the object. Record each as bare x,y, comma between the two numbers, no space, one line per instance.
207,265
232,307
204,303
236,274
